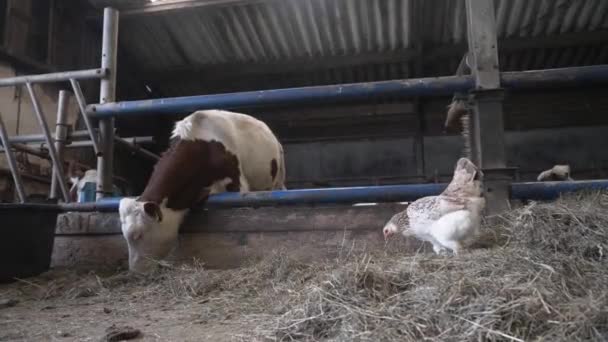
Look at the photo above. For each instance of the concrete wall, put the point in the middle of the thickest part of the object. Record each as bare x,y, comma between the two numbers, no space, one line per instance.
370,158
382,161
219,238
380,143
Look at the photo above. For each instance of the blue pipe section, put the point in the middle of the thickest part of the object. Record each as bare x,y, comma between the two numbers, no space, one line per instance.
543,191
433,86
343,92
386,193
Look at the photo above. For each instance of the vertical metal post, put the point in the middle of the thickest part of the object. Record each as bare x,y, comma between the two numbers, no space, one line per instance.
487,128
61,136
12,164
82,105
49,141
107,93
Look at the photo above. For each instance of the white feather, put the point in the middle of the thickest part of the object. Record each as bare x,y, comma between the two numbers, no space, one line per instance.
447,219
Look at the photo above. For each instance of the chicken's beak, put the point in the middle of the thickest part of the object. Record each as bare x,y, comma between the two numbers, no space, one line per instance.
478,175
387,233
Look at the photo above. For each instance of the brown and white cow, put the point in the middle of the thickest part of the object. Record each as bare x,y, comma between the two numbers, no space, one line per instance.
212,151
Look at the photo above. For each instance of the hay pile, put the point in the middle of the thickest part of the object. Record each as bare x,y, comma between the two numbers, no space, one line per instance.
544,279
541,277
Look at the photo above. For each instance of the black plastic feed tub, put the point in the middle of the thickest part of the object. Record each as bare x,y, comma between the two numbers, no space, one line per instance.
26,240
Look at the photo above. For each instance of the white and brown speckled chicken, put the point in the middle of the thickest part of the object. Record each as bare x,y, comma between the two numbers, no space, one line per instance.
447,219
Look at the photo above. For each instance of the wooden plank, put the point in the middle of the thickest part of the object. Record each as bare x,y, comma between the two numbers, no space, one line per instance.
278,219
486,134
483,46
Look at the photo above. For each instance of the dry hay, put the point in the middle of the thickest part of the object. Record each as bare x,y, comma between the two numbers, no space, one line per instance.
543,278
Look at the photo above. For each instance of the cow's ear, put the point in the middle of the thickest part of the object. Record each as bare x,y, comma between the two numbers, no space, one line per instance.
153,210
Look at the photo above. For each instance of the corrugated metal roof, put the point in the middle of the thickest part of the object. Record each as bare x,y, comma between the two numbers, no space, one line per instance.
311,30
268,31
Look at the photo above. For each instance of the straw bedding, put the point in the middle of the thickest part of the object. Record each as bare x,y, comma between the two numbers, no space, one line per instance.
537,273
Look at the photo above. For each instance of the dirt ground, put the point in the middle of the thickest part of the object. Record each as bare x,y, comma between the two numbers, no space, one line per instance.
64,305
186,302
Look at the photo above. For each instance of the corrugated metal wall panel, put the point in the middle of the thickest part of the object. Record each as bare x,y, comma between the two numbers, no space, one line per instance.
268,31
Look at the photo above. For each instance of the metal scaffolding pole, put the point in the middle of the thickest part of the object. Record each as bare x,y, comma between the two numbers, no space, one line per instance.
486,124
107,94
82,104
131,145
33,138
49,141
88,143
54,77
73,136
61,136
12,163
363,194
430,86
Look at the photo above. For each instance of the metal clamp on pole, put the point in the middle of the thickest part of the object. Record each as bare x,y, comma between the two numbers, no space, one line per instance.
61,136
136,149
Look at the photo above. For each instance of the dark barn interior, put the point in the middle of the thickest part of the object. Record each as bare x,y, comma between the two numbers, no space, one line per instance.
367,243
209,47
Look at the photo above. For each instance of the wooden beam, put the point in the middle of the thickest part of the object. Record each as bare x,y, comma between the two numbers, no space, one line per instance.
486,134
483,44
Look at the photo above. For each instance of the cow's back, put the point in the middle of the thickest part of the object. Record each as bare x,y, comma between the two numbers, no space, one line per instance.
259,153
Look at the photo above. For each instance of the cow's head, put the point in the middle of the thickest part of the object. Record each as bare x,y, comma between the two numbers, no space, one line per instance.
149,230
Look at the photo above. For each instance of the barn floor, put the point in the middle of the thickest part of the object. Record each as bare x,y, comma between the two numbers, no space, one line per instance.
70,306
539,273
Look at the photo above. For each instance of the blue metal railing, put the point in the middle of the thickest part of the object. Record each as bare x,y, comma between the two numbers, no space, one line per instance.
385,193
431,86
